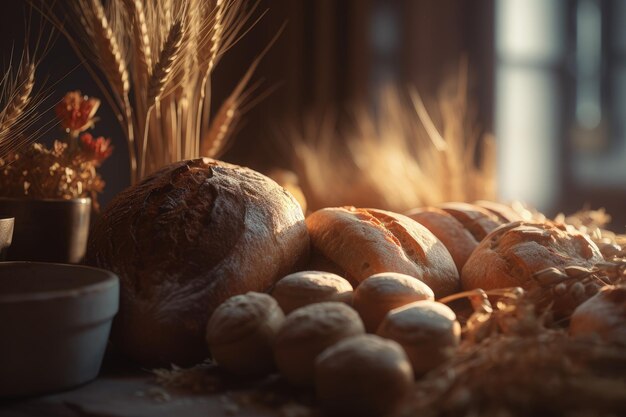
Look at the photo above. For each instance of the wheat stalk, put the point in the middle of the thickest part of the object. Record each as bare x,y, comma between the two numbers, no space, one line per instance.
19,98
399,158
110,55
216,33
164,67
113,65
140,26
156,58
21,103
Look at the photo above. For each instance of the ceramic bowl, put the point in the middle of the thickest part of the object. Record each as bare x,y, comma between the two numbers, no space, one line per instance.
54,325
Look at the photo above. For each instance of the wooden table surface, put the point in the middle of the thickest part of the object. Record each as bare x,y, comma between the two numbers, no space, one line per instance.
122,392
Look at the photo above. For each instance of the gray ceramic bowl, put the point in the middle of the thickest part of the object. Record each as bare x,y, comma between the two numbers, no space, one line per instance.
54,325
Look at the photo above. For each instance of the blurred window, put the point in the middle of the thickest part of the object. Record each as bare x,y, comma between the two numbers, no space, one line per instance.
560,102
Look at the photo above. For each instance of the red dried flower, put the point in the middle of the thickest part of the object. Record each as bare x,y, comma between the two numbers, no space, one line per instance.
76,112
96,150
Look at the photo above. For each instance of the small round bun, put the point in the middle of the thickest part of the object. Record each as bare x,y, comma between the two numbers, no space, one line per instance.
241,331
427,330
602,316
364,242
307,287
307,332
363,376
452,233
511,254
383,292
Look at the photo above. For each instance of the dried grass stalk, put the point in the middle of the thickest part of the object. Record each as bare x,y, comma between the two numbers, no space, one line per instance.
140,27
225,119
398,159
164,67
546,373
19,98
111,60
20,102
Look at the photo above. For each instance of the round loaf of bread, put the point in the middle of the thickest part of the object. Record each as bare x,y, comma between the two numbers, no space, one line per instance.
185,239
364,242
307,332
307,287
241,332
428,331
511,254
602,316
362,376
381,293
451,232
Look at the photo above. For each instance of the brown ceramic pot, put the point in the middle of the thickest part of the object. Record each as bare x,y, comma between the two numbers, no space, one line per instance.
47,229
6,235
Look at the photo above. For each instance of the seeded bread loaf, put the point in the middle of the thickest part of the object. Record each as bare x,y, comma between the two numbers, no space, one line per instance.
511,254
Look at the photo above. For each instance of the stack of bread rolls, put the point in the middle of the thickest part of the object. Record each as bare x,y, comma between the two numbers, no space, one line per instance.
322,342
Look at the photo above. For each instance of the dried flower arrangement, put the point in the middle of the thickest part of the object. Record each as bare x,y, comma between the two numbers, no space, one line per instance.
68,169
153,61
397,159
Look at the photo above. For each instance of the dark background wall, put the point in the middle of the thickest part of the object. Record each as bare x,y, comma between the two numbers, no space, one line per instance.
333,54
327,58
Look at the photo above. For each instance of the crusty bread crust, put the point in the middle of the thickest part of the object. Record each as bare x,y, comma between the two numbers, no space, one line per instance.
602,316
308,287
511,254
477,220
456,238
185,239
505,213
364,242
381,293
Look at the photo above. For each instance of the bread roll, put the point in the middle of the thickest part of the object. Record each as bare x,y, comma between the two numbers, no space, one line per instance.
241,331
363,376
510,255
307,332
451,232
428,331
185,239
506,214
308,287
364,242
477,220
383,292
602,316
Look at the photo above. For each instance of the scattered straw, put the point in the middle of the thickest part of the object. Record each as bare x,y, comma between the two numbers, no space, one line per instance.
397,159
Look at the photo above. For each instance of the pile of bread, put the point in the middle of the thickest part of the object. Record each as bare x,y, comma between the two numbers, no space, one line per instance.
360,348
347,294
